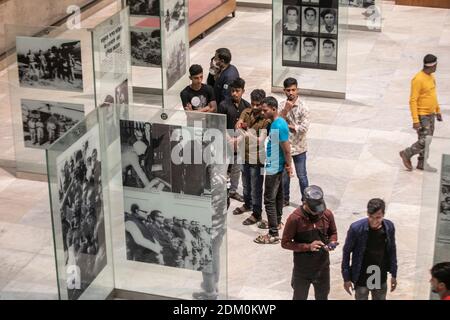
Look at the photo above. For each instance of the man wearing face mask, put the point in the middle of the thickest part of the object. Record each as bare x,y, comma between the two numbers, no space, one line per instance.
228,73
371,244
310,232
440,280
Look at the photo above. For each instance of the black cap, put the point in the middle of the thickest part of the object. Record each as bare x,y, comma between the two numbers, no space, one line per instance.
314,199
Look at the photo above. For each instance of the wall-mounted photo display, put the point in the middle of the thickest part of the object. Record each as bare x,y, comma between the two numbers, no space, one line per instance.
51,64
145,47
143,7
146,161
174,15
44,122
81,209
317,21
160,230
176,52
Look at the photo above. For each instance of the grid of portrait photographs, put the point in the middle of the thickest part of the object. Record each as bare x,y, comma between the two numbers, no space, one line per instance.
159,230
81,210
143,7
145,47
162,158
44,122
52,64
310,33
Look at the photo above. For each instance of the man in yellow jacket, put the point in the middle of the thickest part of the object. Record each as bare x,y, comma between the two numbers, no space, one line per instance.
424,108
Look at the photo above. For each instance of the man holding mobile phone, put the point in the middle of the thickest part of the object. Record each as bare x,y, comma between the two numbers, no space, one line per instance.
371,244
310,232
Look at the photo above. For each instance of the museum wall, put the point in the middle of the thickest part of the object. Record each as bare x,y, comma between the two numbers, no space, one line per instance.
35,13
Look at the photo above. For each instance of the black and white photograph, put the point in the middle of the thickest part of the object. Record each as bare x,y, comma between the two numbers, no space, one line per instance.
145,47
174,15
310,50
167,234
358,3
81,209
44,122
310,1
291,19
328,49
143,7
146,156
189,171
328,21
176,66
310,20
291,48
53,64
121,98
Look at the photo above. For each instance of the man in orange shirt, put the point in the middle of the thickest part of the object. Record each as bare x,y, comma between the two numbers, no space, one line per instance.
424,108
440,280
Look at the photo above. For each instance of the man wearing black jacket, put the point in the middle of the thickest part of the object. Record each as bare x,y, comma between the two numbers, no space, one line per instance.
228,73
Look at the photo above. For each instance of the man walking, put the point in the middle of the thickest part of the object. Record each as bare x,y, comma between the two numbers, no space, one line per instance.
311,233
278,159
371,244
424,108
296,113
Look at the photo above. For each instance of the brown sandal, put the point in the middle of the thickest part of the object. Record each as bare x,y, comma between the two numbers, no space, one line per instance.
267,239
240,210
250,220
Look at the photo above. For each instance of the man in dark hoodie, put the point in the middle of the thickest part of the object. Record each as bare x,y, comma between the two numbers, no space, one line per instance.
310,232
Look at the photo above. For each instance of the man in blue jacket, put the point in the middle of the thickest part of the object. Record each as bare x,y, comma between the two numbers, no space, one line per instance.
371,244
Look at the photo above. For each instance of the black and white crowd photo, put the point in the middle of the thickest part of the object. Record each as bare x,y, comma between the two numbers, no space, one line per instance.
46,121
81,210
176,52
145,47
46,63
174,15
168,237
144,7
145,151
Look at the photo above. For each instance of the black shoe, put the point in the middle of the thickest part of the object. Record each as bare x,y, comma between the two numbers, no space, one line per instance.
236,196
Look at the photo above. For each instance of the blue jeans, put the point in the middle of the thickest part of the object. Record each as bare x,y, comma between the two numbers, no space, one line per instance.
299,161
252,183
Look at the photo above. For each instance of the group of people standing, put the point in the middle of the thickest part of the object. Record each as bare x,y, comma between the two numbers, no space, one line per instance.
369,252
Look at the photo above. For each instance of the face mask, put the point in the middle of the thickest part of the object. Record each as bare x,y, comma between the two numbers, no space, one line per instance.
212,71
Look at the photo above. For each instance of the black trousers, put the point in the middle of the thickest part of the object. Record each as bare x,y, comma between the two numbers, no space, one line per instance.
302,282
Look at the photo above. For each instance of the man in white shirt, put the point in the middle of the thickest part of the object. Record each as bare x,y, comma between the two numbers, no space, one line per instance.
310,22
328,52
310,49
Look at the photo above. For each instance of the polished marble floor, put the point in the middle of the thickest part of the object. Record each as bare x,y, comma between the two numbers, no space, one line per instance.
353,155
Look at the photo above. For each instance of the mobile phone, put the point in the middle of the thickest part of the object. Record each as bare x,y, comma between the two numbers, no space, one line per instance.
332,245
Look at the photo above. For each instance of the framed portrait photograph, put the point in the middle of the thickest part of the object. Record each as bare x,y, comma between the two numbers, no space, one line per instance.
291,48
328,21
310,50
310,20
52,64
328,51
44,122
291,19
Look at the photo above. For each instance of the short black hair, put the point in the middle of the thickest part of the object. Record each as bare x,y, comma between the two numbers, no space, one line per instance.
290,82
153,214
224,54
291,39
327,11
238,83
376,204
311,9
441,271
328,41
292,8
310,40
271,102
195,69
257,95
429,58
